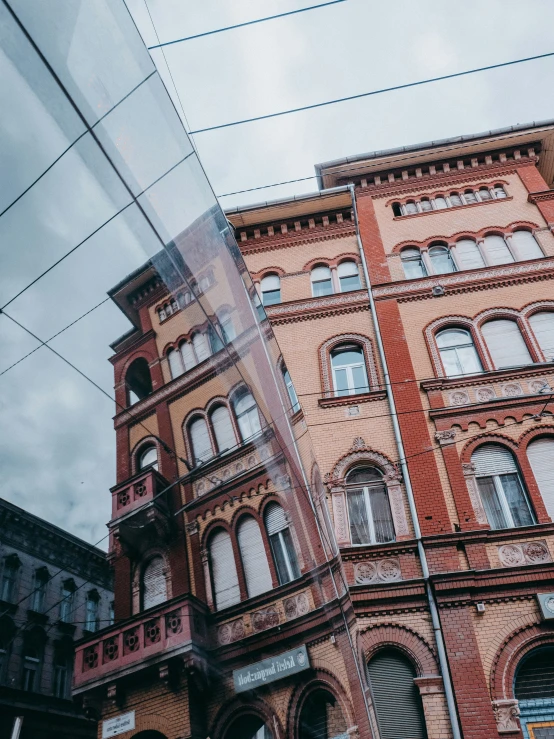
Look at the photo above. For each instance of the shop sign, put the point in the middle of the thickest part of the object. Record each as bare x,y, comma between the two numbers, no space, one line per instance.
118,725
271,669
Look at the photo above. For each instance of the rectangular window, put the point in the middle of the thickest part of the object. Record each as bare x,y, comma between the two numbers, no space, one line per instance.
504,501
60,681
30,674
91,623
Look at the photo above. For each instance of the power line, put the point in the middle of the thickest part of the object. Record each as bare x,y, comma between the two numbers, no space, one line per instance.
241,25
372,92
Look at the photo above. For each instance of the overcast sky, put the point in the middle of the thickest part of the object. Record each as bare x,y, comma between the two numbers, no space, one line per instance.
57,445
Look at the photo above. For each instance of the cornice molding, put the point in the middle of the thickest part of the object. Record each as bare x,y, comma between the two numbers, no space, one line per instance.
539,197
303,310
296,238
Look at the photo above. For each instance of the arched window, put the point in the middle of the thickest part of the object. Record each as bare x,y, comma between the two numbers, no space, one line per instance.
497,250
396,209
175,363
469,197
253,556
526,246
410,208
9,578
322,283
425,204
201,346
280,538
224,572
455,199
441,260
543,327
295,405
499,192
153,583
138,381
248,416
187,355
501,490
458,353
148,458
200,441
349,276
412,263
227,326
349,371
67,603
505,343
484,194
91,611
468,254
368,507
440,203
396,697
535,676
223,428
540,454
321,717
249,727
271,290
216,342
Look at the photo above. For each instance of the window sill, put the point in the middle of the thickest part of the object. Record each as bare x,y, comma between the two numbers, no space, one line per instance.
7,607
526,370
454,207
36,617
66,628
333,402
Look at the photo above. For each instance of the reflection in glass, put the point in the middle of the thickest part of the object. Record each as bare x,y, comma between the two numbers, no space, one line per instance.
349,372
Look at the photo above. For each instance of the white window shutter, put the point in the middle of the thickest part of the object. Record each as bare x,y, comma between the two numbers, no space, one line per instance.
543,328
224,571
505,343
201,346
175,364
154,590
254,559
200,438
497,250
526,245
271,282
189,360
223,429
275,519
468,255
541,458
493,459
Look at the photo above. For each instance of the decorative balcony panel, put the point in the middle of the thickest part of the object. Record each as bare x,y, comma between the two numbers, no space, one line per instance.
170,630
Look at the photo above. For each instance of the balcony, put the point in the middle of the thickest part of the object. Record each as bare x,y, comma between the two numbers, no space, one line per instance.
173,629
140,512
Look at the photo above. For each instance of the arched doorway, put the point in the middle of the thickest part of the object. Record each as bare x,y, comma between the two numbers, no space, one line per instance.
149,734
395,696
534,689
321,717
248,726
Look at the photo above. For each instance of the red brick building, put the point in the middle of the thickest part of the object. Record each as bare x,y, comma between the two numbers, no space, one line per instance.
427,398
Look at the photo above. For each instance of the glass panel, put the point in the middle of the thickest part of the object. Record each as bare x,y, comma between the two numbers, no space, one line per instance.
506,344
341,382
358,516
469,196
149,458
484,194
426,205
413,264
453,337
499,192
200,440
441,260
322,287
381,513
291,553
450,362
469,359
410,208
497,250
468,255
359,379
455,200
271,297
279,556
350,283
440,203
223,429
516,499
491,503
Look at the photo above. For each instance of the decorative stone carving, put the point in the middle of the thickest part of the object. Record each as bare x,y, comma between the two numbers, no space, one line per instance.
359,452
512,390
381,570
397,509
358,443
445,437
296,606
537,385
531,552
484,394
339,517
468,468
230,632
473,491
506,713
192,528
265,619
460,397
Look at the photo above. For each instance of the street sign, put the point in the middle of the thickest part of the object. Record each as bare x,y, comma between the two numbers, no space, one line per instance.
118,725
271,669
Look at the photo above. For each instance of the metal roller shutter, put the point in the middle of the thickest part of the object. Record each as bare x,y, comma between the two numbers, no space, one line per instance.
541,458
275,520
526,245
543,328
397,702
505,343
254,559
154,589
468,255
492,459
224,571
223,429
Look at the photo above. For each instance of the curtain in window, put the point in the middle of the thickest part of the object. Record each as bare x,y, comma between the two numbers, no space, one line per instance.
349,276
505,343
223,428
543,327
200,440
322,284
497,250
468,254
526,245
358,515
441,260
154,588
413,264
224,571
248,416
541,458
368,507
271,290
253,556
455,199
458,354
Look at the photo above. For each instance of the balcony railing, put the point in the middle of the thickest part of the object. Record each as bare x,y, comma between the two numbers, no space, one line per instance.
171,629
135,492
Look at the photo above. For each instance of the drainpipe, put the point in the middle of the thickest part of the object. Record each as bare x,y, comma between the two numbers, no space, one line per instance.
443,660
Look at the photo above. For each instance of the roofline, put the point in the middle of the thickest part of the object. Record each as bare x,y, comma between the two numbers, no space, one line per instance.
286,201
131,276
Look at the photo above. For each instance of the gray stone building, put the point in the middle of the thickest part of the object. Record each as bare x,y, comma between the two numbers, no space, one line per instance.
54,589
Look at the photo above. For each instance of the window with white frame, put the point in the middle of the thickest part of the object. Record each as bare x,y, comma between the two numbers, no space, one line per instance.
440,203
501,488
497,250
349,370
468,254
254,560
248,416
148,458
67,602
457,352
369,512
32,663
322,282
223,428
499,192
505,343
412,263
187,355
61,673
410,208
542,324
282,546
271,290
484,194
200,441
441,259
526,246
470,197
91,611
295,405
349,276
225,581
540,454
216,342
